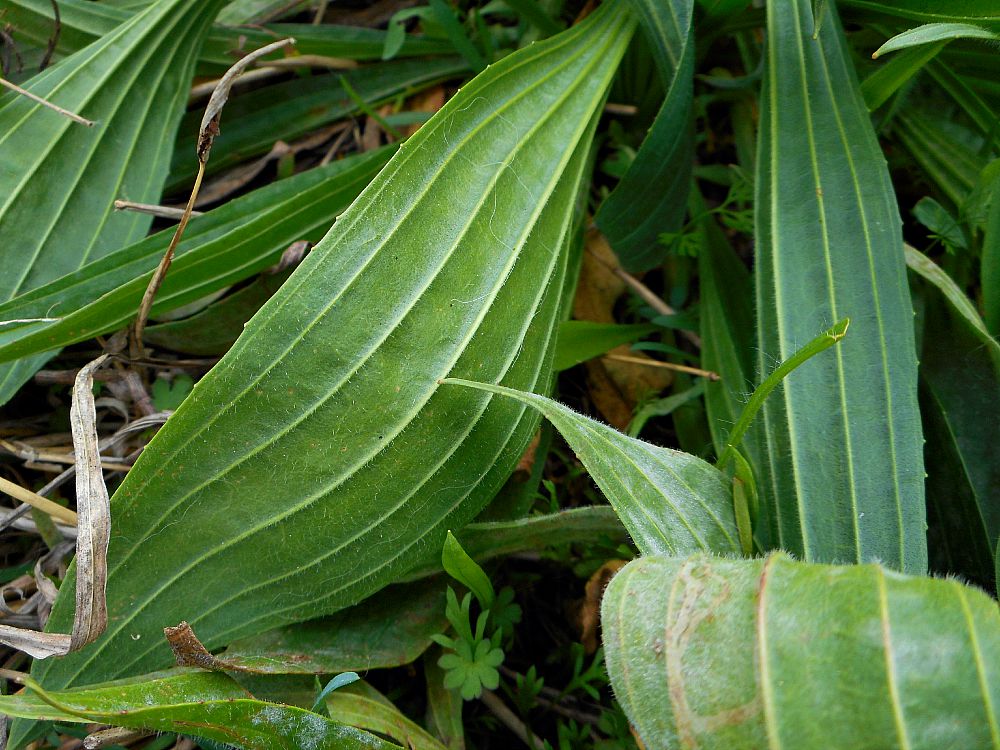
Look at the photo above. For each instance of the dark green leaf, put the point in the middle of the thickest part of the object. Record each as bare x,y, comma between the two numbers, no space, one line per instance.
389,629
745,654
842,480
650,199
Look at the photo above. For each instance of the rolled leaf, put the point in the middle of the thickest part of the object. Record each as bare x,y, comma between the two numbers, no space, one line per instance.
744,654
207,704
843,473
320,459
56,201
670,502
651,197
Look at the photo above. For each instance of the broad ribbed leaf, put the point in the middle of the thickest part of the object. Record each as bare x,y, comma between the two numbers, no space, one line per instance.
253,122
58,178
320,459
651,197
843,474
207,704
226,245
960,404
670,502
747,654
82,22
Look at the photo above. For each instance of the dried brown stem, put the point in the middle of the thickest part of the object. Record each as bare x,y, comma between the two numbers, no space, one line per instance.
54,107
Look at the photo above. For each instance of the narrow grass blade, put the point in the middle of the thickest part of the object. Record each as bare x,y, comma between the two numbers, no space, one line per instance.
325,422
670,502
802,656
843,477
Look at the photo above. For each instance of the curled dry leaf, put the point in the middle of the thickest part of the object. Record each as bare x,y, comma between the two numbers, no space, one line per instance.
94,532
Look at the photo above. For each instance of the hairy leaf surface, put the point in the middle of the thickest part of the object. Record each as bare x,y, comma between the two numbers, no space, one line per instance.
320,459
741,654
843,474
670,502
58,178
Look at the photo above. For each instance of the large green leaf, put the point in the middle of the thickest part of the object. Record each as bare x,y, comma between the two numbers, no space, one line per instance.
843,474
670,502
206,704
224,246
651,197
740,654
960,404
82,22
320,459
58,178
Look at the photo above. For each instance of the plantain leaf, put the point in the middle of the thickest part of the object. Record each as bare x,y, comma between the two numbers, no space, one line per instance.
319,459
843,474
960,404
82,22
670,502
55,201
224,246
740,654
209,704
651,197
934,32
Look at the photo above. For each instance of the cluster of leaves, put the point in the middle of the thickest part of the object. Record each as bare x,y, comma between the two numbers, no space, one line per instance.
481,219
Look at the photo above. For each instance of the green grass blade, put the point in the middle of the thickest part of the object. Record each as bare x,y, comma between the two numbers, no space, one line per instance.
58,179
801,655
670,502
651,197
325,422
843,479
